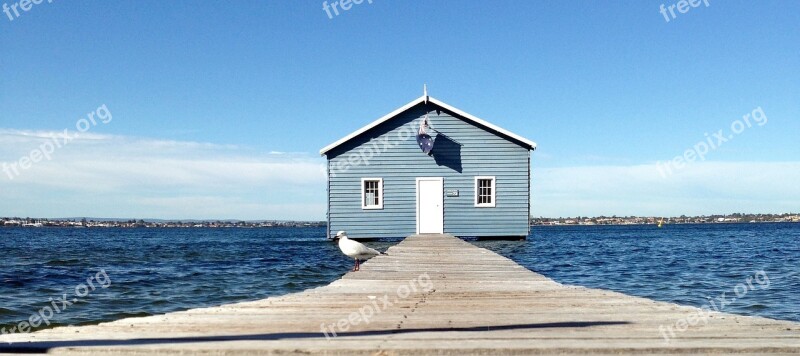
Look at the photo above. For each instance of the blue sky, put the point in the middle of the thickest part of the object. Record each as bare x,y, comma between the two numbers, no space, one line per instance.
219,109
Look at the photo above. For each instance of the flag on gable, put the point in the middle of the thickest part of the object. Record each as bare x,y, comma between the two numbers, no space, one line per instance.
425,140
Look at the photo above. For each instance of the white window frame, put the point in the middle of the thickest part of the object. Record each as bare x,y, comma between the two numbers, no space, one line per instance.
494,192
380,194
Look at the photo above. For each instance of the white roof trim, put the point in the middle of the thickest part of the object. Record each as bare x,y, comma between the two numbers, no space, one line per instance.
371,125
485,123
436,102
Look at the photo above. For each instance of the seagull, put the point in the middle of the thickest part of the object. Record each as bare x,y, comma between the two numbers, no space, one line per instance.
355,249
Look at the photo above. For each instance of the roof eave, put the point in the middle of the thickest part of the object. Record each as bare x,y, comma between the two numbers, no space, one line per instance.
530,144
377,122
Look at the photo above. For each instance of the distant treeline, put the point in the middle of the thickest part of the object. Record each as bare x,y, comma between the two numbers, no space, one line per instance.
683,219
131,223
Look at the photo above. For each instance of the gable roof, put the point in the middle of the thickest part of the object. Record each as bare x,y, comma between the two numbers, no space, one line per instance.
528,143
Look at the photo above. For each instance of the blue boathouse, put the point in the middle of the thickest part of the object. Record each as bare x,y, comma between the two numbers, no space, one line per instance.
474,182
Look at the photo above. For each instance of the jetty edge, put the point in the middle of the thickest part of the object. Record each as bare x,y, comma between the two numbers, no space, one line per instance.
432,294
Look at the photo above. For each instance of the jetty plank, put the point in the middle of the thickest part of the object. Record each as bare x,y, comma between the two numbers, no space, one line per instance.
432,294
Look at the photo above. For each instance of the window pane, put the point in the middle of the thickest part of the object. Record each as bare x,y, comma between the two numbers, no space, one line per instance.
372,193
484,191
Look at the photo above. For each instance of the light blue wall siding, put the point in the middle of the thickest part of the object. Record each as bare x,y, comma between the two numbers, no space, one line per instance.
470,149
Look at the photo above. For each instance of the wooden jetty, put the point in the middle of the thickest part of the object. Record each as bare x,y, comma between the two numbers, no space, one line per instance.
432,294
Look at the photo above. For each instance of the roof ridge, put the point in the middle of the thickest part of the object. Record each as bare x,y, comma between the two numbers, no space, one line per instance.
531,145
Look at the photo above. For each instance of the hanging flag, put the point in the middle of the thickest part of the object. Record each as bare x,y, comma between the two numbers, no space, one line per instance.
424,140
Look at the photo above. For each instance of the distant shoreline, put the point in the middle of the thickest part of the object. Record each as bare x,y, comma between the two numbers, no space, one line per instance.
111,226
666,220
541,221
674,223
133,224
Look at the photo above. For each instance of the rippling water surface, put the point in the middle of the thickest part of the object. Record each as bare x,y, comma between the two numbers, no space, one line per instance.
684,264
154,271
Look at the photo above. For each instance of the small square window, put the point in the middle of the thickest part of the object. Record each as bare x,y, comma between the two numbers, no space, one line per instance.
372,193
485,192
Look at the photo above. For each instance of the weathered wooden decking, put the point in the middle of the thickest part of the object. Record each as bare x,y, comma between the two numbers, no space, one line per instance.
432,294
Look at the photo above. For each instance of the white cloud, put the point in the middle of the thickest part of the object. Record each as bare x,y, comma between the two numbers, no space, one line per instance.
700,188
128,177
176,179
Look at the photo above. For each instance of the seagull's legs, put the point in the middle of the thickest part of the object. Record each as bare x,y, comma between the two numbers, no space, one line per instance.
355,267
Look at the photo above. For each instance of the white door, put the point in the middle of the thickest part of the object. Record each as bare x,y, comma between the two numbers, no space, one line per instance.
430,205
